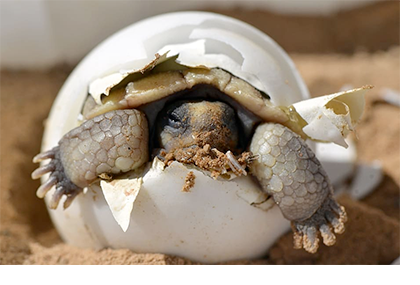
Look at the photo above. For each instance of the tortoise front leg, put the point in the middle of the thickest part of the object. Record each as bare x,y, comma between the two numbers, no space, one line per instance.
108,144
288,170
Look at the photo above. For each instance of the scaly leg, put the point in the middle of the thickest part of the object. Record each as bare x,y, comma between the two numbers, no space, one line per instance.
288,170
109,144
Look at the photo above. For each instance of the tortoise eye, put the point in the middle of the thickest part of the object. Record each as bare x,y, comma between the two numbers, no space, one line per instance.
174,120
174,117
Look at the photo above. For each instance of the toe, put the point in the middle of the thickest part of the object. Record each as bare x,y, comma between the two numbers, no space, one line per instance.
297,236
55,199
70,197
328,220
44,188
45,155
310,239
327,236
42,170
335,222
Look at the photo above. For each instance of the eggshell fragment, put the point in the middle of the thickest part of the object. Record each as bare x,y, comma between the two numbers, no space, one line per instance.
120,195
330,118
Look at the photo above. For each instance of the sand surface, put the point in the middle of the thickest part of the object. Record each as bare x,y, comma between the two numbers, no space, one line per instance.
372,235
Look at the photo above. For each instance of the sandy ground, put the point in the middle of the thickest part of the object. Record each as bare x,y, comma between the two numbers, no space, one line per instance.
372,235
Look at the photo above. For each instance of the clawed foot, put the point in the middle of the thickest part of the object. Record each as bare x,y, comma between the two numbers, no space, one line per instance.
329,215
289,171
57,178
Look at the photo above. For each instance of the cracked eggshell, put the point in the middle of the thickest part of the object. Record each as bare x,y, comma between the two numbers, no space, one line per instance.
212,222
215,221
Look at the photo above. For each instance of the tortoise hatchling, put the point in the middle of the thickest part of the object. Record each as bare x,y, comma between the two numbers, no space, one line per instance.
204,117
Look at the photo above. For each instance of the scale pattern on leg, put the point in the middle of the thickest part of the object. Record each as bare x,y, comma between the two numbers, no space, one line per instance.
288,170
111,143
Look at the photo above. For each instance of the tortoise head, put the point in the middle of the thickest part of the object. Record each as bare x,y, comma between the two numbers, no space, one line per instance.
188,124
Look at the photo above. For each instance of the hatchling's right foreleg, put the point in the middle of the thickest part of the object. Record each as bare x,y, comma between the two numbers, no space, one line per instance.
111,143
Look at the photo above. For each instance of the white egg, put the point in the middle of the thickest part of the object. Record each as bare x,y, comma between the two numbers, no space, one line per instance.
217,220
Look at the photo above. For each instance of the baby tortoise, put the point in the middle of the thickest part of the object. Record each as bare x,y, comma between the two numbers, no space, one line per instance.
207,117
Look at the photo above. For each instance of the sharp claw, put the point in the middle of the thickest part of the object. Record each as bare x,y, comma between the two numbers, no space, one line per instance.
55,199
343,215
337,224
42,170
44,188
44,155
69,199
339,210
297,237
310,239
327,236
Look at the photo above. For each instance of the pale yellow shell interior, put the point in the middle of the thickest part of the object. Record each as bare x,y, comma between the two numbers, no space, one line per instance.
158,85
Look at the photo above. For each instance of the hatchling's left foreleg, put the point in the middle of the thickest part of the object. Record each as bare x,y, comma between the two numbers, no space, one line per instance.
288,170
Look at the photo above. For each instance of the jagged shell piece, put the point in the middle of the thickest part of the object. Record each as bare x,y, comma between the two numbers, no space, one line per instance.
120,195
330,118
